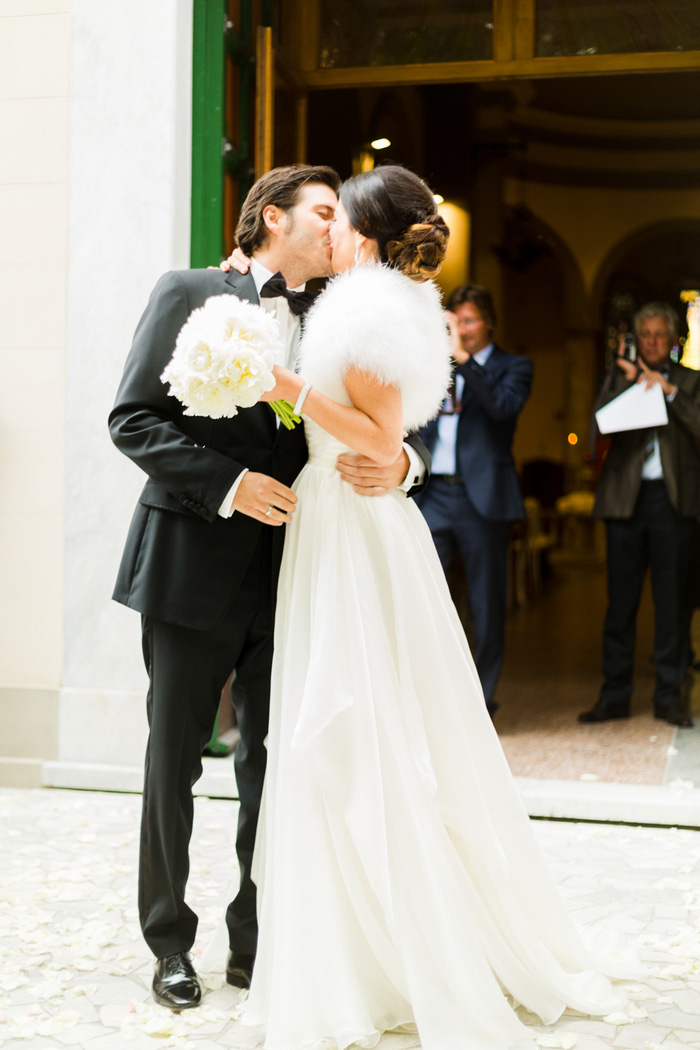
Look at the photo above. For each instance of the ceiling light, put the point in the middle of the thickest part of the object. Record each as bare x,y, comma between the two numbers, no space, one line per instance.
380,143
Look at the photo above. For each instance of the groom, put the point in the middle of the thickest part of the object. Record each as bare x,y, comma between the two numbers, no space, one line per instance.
203,553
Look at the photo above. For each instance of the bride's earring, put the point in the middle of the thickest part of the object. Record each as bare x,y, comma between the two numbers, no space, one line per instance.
356,260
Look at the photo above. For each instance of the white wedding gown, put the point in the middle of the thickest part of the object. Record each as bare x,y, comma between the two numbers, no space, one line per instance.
399,880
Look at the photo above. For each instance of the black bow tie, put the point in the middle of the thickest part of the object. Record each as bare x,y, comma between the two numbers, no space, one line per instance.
299,302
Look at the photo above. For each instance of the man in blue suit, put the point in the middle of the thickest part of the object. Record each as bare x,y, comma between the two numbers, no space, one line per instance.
473,494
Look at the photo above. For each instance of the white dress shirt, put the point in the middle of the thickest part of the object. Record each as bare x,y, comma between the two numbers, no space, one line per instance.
652,469
290,331
445,451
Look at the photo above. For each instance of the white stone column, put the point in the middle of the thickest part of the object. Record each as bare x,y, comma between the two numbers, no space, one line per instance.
34,86
129,221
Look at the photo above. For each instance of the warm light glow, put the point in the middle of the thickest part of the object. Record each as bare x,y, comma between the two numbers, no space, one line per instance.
380,143
455,269
438,198
573,439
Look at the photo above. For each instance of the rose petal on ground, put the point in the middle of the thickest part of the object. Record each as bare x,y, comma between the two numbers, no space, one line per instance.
617,1019
60,1023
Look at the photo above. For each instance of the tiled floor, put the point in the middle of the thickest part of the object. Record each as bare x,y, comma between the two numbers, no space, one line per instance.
552,672
75,973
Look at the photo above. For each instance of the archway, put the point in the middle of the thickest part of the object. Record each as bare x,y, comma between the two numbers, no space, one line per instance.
655,263
546,315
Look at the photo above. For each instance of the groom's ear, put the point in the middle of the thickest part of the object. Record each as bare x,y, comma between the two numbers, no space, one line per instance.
273,218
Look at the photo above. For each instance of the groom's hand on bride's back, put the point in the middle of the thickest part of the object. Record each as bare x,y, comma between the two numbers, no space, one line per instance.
368,479
265,499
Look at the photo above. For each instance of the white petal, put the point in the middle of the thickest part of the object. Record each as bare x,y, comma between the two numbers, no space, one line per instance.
617,1019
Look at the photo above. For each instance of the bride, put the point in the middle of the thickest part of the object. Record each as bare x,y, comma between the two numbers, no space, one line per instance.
399,881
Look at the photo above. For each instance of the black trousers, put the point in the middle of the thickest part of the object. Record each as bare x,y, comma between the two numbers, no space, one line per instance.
187,671
456,525
658,538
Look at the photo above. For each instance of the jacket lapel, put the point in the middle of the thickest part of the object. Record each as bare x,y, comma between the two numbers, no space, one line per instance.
495,358
243,285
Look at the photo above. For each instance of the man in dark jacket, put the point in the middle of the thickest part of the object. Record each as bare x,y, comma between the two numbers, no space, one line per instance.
473,494
203,554
649,497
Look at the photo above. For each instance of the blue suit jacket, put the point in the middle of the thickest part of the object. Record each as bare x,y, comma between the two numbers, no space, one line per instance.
493,396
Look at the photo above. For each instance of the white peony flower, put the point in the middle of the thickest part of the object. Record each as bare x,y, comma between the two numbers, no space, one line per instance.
223,358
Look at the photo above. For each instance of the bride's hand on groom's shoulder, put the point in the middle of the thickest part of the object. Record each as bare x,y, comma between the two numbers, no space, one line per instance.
236,261
367,479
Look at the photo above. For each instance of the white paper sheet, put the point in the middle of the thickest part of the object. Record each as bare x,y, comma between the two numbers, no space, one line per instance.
635,409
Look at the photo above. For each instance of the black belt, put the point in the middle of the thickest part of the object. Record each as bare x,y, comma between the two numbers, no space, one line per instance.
449,479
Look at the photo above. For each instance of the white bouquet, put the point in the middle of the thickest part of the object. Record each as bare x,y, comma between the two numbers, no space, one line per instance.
223,360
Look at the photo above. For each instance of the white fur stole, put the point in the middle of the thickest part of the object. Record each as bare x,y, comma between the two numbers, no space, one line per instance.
375,319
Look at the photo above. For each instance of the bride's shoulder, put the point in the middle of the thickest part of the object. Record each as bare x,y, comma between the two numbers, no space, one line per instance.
377,288
377,320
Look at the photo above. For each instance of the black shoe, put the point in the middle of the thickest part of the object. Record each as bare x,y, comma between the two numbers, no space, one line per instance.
239,969
175,984
675,714
605,711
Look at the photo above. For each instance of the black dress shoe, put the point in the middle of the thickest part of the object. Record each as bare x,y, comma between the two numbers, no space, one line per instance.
675,715
604,711
175,984
239,969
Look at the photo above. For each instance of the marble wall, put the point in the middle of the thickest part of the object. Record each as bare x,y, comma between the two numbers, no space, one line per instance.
95,105
34,85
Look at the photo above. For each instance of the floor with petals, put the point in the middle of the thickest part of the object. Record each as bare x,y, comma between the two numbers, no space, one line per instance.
74,971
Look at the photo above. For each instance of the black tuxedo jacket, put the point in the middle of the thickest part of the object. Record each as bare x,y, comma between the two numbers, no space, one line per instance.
182,562
493,397
621,476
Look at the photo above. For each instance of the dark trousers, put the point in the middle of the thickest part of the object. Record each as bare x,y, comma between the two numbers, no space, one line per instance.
658,538
456,525
187,671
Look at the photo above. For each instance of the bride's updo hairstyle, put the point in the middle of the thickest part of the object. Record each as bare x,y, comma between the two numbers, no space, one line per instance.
396,209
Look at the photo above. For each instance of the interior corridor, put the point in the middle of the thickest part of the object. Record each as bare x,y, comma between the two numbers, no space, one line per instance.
552,672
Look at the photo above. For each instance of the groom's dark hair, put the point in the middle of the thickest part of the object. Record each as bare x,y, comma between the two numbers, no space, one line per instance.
280,187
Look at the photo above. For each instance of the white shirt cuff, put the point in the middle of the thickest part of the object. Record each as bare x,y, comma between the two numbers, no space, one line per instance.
226,508
416,469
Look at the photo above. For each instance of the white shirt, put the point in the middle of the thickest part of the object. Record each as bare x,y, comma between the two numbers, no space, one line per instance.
288,322
445,451
652,469
290,333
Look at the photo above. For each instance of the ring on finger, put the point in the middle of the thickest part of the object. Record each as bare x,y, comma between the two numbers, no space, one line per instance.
268,512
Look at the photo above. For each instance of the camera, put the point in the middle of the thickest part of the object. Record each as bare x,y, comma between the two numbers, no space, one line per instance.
629,348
